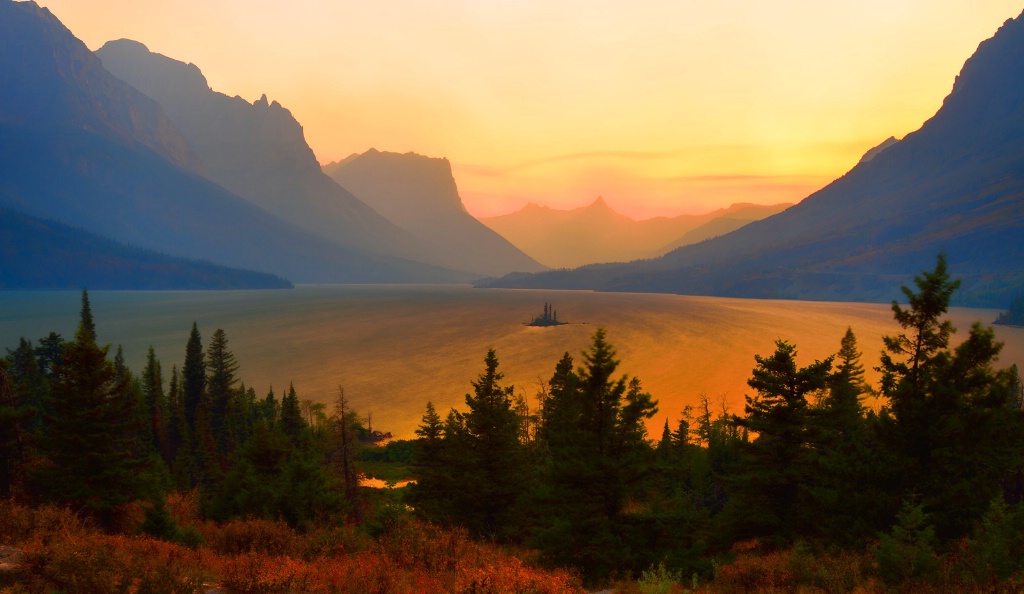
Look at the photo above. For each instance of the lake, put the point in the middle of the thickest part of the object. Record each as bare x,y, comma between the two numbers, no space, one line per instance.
393,348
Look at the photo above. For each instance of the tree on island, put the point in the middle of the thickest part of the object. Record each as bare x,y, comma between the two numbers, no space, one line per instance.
548,318
1014,316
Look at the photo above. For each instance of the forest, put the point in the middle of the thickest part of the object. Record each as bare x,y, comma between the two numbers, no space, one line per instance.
116,481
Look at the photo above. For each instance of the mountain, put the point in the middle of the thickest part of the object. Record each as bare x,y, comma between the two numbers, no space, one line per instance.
597,233
257,151
419,195
51,82
81,147
722,221
39,254
956,185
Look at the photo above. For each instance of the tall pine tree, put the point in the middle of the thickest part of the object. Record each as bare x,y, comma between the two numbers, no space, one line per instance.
89,449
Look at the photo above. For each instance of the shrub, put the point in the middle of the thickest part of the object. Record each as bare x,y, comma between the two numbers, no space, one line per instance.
272,537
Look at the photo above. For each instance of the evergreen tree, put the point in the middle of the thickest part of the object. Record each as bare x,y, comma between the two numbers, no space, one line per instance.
155,402
268,410
13,437
220,384
49,354
850,491
291,421
435,487
955,424
193,375
90,455
495,464
29,386
767,491
177,452
592,441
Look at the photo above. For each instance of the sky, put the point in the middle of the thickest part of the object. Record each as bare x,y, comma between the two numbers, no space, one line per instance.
662,107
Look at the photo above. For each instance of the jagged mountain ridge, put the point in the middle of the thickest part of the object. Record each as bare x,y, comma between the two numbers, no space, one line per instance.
258,151
54,80
597,233
955,185
71,164
419,194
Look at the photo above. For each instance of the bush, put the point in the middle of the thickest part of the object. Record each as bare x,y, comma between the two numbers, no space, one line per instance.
238,537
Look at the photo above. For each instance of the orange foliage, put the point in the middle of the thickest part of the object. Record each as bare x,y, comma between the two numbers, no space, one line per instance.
259,556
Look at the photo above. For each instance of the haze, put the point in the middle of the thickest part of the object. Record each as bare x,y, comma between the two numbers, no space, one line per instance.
663,108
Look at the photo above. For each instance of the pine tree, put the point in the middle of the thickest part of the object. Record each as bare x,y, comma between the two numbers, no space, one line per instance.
955,425
220,383
291,421
13,437
49,354
88,444
156,401
495,462
193,375
597,452
766,492
29,386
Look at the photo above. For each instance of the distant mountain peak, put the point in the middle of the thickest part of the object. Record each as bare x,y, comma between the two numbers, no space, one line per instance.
873,151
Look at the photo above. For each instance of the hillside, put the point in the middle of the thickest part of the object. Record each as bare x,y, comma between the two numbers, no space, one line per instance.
257,151
38,254
597,233
419,195
955,185
108,161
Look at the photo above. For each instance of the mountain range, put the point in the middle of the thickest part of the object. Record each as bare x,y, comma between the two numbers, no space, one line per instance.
179,169
419,195
956,186
597,233
148,166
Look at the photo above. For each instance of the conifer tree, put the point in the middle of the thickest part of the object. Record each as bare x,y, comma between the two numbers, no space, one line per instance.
88,444
495,463
767,491
220,383
29,386
193,375
592,441
13,437
156,401
955,424
291,421
49,354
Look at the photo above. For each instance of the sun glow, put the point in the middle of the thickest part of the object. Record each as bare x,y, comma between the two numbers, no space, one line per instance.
661,107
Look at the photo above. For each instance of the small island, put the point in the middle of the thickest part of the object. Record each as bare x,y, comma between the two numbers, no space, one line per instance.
548,318
1014,316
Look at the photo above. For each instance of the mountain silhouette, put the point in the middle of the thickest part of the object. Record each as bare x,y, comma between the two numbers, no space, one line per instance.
597,233
956,185
51,80
419,195
83,148
257,151
39,254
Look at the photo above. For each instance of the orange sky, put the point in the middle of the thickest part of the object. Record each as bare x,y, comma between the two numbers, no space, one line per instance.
662,107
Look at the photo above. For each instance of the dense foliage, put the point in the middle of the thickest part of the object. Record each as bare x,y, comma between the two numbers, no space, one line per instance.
808,487
806,464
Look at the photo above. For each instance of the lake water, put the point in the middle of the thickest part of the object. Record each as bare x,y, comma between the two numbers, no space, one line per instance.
393,348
